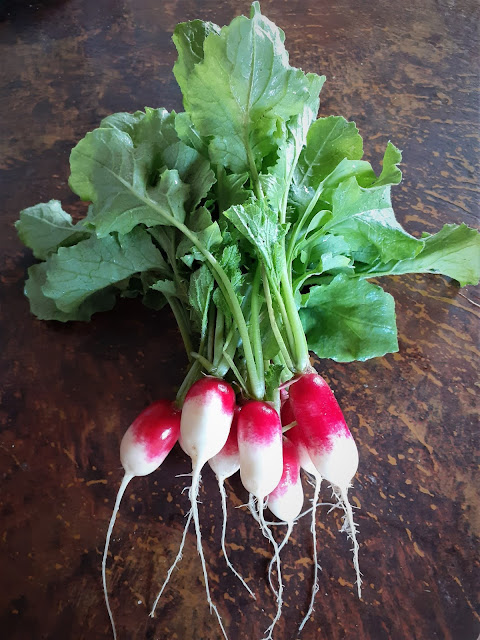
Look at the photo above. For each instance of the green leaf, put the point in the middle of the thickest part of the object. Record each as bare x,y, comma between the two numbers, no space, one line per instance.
365,218
189,135
391,174
276,182
104,170
75,273
259,225
230,260
322,254
240,89
273,378
349,320
199,296
46,226
454,251
189,39
167,287
157,146
194,170
45,308
231,188
206,230
329,141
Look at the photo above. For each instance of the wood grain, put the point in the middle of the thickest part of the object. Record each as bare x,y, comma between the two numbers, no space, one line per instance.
405,72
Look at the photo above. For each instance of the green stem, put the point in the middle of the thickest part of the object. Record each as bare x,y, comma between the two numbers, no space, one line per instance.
273,323
228,353
236,372
299,224
218,341
179,313
283,311
211,332
255,323
256,386
192,376
206,364
301,347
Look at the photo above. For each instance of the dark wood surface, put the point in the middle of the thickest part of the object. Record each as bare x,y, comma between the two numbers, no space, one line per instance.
404,71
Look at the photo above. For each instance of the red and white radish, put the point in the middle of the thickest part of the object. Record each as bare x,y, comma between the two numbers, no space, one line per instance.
207,415
329,443
225,464
260,448
261,467
145,445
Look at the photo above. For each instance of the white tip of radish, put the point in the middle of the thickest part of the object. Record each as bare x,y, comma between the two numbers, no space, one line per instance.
336,460
287,505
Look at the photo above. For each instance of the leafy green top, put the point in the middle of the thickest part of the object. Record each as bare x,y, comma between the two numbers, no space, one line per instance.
257,223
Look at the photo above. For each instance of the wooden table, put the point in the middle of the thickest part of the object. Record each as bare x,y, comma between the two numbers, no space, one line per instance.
405,72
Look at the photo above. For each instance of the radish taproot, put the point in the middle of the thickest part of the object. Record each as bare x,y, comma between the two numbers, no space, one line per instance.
285,502
145,445
294,435
224,465
329,443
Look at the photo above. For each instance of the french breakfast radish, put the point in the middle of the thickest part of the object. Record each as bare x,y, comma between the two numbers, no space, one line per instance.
225,464
329,443
207,415
145,445
260,448
261,466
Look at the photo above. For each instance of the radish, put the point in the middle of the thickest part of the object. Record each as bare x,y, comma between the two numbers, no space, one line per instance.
261,467
145,445
260,448
225,464
207,415
329,443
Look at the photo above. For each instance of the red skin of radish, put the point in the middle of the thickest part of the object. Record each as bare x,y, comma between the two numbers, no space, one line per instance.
294,434
324,431
150,438
260,447
286,412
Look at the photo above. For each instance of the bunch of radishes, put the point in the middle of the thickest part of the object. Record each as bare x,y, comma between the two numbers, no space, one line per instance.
267,448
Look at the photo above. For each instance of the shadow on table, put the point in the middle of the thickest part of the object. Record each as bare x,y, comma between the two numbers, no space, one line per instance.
26,10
